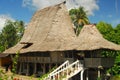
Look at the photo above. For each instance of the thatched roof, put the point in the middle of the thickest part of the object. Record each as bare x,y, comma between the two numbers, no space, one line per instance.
50,29
90,39
3,55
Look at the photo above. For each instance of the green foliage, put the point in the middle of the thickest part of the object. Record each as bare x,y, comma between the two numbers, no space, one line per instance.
117,60
79,18
45,75
19,25
11,34
113,35
4,76
115,70
15,60
99,78
117,77
106,29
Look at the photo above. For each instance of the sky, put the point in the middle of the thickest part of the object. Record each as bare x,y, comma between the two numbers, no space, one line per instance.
98,10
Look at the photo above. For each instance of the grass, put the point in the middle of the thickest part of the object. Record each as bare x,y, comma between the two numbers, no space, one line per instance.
117,77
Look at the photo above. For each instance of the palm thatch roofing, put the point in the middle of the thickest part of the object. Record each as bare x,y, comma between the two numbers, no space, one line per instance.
90,39
3,55
51,29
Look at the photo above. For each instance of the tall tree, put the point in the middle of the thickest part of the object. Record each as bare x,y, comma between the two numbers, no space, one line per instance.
79,18
113,35
1,43
20,27
11,34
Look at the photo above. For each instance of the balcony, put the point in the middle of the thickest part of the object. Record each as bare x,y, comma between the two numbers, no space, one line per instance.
96,62
35,59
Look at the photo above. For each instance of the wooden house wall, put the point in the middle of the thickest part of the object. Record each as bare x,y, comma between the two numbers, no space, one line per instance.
46,57
4,61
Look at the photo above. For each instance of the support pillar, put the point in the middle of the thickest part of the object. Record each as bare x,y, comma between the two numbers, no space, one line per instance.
28,68
98,73
17,67
82,75
20,69
44,70
87,75
49,66
35,69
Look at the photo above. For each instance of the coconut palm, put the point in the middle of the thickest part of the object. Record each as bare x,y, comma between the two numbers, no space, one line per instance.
79,18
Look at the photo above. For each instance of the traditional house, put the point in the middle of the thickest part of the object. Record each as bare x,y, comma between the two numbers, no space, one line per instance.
91,43
49,40
48,36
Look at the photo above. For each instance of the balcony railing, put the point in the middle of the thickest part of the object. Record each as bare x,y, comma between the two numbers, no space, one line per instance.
35,59
96,62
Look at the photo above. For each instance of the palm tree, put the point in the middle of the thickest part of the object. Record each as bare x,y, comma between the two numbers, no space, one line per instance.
79,18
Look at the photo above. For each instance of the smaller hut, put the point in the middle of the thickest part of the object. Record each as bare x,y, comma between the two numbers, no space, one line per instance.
91,39
91,43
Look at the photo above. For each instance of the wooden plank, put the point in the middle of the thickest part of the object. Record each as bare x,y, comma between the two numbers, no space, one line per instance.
35,59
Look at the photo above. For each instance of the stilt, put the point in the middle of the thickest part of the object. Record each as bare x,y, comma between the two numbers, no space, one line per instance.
98,73
87,75
35,69
82,75
28,69
49,66
44,70
20,70
17,67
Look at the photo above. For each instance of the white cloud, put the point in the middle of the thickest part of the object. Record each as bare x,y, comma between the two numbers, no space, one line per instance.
115,22
3,19
109,16
89,5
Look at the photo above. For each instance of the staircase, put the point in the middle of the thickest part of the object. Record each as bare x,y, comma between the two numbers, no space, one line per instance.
65,71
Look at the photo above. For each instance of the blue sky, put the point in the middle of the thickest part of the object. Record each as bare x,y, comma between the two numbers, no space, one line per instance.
99,10
108,11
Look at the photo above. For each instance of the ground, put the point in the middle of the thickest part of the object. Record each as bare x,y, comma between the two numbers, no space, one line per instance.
16,77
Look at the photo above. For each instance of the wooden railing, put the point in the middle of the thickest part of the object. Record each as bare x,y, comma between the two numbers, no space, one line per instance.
35,59
95,62
66,72
64,65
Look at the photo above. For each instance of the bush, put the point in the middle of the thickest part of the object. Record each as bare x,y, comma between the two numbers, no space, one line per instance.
117,77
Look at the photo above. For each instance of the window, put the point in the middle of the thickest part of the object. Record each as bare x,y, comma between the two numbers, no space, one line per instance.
27,45
68,54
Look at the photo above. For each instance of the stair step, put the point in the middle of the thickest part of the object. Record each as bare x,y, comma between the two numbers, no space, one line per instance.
66,72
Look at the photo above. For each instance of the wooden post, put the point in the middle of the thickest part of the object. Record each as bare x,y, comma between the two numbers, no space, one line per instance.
20,70
44,70
98,73
35,68
28,69
17,68
87,78
49,66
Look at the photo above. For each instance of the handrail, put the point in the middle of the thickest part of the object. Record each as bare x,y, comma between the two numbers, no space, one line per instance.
64,65
67,67
76,64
